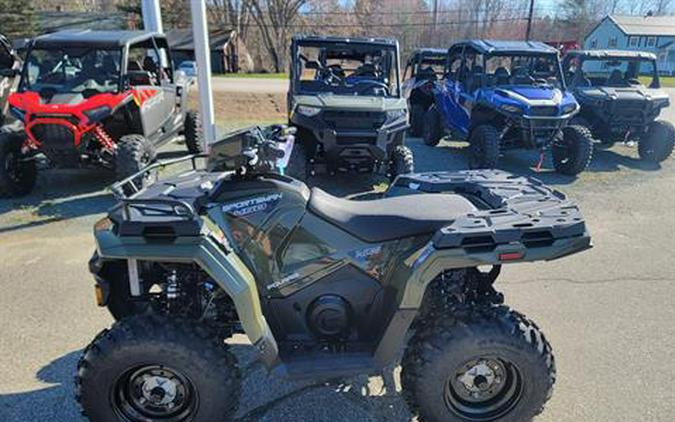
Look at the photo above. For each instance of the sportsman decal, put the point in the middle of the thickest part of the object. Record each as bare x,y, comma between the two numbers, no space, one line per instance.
254,205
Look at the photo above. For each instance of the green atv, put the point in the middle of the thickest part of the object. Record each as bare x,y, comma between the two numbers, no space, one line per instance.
323,287
345,99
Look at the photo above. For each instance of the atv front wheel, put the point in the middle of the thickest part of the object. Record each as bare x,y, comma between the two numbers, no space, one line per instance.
493,364
657,144
572,150
17,173
484,147
134,153
417,112
432,130
194,135
401,161
156,368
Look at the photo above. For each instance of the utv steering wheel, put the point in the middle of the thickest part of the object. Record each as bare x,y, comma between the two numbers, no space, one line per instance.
370,84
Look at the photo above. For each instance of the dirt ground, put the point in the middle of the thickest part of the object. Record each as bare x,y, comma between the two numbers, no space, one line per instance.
608,312
247,106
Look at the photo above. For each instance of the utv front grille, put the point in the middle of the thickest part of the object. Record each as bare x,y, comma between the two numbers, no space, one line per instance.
354,140
345,120
57,143
544,111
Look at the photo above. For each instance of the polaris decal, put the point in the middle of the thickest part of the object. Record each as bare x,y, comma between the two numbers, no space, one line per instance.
253,205
283,282
423,255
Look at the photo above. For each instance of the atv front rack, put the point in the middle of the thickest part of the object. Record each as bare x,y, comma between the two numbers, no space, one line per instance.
128,187
511,210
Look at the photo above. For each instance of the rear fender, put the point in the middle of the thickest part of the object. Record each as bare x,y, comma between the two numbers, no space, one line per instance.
225,268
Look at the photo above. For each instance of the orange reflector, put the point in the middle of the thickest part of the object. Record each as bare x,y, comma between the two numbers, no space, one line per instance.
98,292
510,256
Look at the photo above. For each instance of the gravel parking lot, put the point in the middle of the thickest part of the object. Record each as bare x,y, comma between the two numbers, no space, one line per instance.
609,312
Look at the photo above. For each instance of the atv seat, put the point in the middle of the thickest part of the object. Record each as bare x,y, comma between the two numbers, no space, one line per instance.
391,218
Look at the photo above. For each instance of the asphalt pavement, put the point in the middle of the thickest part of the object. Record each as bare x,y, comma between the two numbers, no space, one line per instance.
609,313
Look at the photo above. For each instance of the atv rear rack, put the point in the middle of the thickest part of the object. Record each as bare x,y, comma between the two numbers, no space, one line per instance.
512,210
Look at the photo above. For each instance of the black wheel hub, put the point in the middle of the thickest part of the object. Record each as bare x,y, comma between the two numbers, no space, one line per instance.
154,392
483,389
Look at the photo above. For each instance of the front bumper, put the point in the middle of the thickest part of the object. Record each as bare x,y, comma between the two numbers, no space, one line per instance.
353,147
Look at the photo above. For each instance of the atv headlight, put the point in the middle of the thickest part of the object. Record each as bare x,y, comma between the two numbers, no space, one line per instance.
97,114
307,110
514,109
396,114
570,108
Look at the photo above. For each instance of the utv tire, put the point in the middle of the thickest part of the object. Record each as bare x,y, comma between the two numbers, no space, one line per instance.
493,364
155,368
432,130
417,112
572,150
194,135
134,153
484,147
657,144
17,177
401,161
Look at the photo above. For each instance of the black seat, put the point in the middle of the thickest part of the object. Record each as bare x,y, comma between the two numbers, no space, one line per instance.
392,218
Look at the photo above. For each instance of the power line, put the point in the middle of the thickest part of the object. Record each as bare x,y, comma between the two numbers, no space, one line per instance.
388,25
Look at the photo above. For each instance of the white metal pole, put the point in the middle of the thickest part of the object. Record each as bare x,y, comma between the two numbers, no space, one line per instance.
203,58
152,16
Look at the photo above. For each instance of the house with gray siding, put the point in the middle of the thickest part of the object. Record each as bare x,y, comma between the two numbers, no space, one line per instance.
655,34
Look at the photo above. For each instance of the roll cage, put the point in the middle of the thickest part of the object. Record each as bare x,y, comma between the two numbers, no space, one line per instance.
634,58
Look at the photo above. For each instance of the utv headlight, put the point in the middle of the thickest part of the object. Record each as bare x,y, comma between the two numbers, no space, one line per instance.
514,109
396,114
97,114
569,108
307,110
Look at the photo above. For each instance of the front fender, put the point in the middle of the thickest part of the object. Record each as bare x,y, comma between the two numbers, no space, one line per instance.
225,268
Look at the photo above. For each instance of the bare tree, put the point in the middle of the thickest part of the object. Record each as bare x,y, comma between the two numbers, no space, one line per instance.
275,19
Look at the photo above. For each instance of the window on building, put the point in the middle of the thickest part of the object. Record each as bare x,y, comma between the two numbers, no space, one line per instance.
634,42
612,43
594,43
651,42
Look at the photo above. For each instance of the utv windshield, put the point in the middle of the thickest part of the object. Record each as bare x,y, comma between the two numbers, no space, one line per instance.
346,69
542,69
85,71
618,73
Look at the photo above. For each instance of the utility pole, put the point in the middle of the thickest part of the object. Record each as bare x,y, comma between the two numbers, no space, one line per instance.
529,21
200,34
152,16
434,37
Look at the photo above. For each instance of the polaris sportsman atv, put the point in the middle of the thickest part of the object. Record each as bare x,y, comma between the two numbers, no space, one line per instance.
95,98
621,99
424,68
501,95
323,287
345,99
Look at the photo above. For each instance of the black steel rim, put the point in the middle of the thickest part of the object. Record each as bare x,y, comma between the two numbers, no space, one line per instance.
483,389
153,392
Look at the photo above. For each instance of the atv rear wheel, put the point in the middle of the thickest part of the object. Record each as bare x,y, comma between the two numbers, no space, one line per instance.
432,130
493,364
134,153
17,174
401,161
572,150
484,147
194,135
417,112
157,368
657,144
